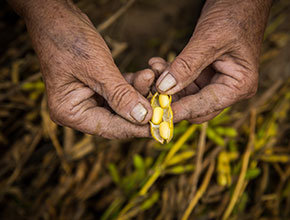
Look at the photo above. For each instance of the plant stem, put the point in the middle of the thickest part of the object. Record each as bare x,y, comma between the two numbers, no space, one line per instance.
200,191
245,162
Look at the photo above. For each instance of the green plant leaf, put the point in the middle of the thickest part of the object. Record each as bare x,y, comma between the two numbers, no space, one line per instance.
182,157
212,135
252,173
139,163
176,170
221,118
147,204
226,131
114,173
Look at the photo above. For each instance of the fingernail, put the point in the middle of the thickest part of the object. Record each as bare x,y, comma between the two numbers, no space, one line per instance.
139,112
167,83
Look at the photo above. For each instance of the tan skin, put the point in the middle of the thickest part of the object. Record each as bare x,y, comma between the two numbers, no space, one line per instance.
221,59
86,91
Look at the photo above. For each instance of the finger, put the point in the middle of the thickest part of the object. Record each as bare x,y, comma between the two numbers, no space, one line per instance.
204,79
80,112
122,97
127,102
158,65
187,66
103,76
189,90
129,77
203,119
112,126
143,80
211,98
101,122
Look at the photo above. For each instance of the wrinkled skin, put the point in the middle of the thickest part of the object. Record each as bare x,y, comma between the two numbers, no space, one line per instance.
219,65
86,91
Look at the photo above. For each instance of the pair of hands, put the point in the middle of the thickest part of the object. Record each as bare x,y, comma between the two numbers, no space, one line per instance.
86,91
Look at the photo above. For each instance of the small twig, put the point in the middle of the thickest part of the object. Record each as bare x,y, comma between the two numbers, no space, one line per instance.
179,143
260,191
223,204
69,137
129,206
53,137
168,157
88,188
237,125
200,191
150,182
30,150
130,214
245,162
16,88
200,151
261,100
158,171
212,156
115,16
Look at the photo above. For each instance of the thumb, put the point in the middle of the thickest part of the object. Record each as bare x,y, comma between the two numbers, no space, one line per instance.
187,66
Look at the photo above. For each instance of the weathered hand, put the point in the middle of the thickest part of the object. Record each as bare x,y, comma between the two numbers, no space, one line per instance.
225,47
159,65
79,72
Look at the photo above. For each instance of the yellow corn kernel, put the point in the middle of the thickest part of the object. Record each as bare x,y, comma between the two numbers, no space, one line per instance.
164,101
162,114
164,130
157,115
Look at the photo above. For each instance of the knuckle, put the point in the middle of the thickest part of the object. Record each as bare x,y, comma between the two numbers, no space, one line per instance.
121,96
54,115
253,90
57,113
155,60
183,65
247,86
253,85
242,85
158,68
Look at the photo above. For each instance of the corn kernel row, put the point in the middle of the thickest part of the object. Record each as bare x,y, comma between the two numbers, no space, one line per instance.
162,119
